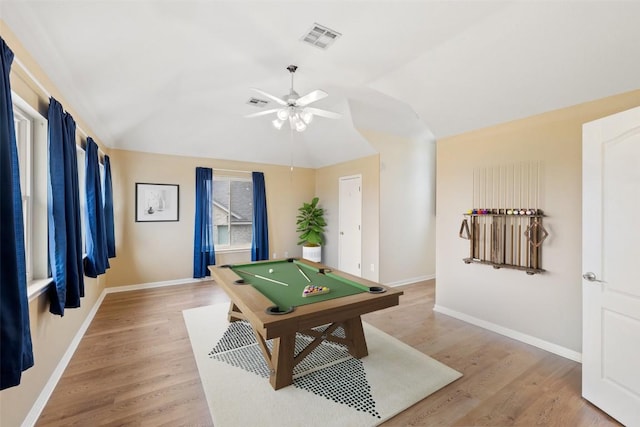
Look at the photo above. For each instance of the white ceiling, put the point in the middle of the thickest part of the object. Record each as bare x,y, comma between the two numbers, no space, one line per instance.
174,76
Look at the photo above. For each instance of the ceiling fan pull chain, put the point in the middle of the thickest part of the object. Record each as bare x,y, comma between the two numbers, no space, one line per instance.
291,134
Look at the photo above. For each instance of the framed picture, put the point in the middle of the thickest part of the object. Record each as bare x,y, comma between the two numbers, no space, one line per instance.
157,202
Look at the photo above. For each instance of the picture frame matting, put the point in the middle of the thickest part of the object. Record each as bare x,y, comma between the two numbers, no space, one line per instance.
157,202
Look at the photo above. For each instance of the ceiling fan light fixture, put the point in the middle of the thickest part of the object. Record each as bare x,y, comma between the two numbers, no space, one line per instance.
306,117
300,126
277,123
294,108
283,114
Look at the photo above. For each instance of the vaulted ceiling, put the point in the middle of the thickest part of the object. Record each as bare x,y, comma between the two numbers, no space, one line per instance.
175,76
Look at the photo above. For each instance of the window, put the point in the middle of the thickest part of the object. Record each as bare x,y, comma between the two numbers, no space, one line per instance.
24,141
102,176
82,178
80,158
31,141
232,212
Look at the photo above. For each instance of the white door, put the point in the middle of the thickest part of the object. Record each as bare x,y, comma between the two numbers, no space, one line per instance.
610,251
349,224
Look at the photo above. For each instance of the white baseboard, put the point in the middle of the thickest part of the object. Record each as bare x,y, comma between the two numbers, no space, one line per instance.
411,280
527,339
154,285
37,408
45,394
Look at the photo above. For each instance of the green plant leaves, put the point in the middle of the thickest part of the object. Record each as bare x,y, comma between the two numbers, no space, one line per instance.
311,223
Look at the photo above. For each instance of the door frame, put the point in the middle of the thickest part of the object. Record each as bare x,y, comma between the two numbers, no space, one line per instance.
340,219
596,298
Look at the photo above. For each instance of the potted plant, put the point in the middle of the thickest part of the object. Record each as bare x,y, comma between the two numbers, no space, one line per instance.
310,221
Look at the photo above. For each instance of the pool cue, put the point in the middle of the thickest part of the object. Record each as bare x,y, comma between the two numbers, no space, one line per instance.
535,244
263,278
484,239
504,238
473,193
491,237
513,246
475,236
303,273
519,244
538,189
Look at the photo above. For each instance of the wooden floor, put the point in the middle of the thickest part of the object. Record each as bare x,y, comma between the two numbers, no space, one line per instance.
134,367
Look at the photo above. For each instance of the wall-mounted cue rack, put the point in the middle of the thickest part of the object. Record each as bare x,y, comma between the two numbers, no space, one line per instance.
506,237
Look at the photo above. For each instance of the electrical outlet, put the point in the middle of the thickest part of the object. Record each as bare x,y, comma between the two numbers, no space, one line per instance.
275,255
286,254
373,268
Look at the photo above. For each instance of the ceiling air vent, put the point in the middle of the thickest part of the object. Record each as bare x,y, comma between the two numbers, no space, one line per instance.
257,102
320,36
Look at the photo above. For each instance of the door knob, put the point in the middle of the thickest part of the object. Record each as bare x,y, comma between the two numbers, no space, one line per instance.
591,277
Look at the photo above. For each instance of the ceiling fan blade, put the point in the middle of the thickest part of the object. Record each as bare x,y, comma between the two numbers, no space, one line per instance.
272,97
323,113
263,113
314,96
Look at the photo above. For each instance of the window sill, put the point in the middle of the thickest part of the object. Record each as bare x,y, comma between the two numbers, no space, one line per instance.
233,250
38,287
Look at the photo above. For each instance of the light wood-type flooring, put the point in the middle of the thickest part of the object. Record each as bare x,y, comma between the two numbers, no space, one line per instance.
134,367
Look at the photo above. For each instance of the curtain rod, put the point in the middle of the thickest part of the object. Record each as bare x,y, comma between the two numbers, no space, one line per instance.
46,93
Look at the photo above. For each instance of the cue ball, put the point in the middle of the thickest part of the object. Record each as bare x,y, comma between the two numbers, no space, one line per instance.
271,270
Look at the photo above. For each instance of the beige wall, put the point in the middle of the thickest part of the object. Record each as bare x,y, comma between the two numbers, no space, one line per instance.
407,206
51,335
327,189
547,306
161,251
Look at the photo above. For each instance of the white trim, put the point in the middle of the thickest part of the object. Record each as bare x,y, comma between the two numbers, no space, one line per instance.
151,285
45,394
411,280
527,339
37,287
232,171
232,250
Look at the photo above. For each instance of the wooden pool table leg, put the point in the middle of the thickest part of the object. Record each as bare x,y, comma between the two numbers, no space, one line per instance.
282,361
235,313
355,337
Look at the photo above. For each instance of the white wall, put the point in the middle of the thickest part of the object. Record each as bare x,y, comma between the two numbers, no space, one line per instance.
407,206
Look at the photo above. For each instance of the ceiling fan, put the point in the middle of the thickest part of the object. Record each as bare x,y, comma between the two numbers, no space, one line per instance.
295,108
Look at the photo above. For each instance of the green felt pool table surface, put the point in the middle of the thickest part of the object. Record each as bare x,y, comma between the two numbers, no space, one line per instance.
289,273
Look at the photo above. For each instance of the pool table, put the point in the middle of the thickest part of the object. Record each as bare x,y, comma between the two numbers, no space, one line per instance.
269,295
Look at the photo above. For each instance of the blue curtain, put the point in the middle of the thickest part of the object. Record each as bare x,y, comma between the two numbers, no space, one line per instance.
108,209
65,237
203,250
260,239
16,352
97,261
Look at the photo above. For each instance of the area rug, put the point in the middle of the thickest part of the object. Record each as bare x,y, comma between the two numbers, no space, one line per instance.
330,387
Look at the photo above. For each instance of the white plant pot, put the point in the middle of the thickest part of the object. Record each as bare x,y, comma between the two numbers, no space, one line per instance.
312,253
